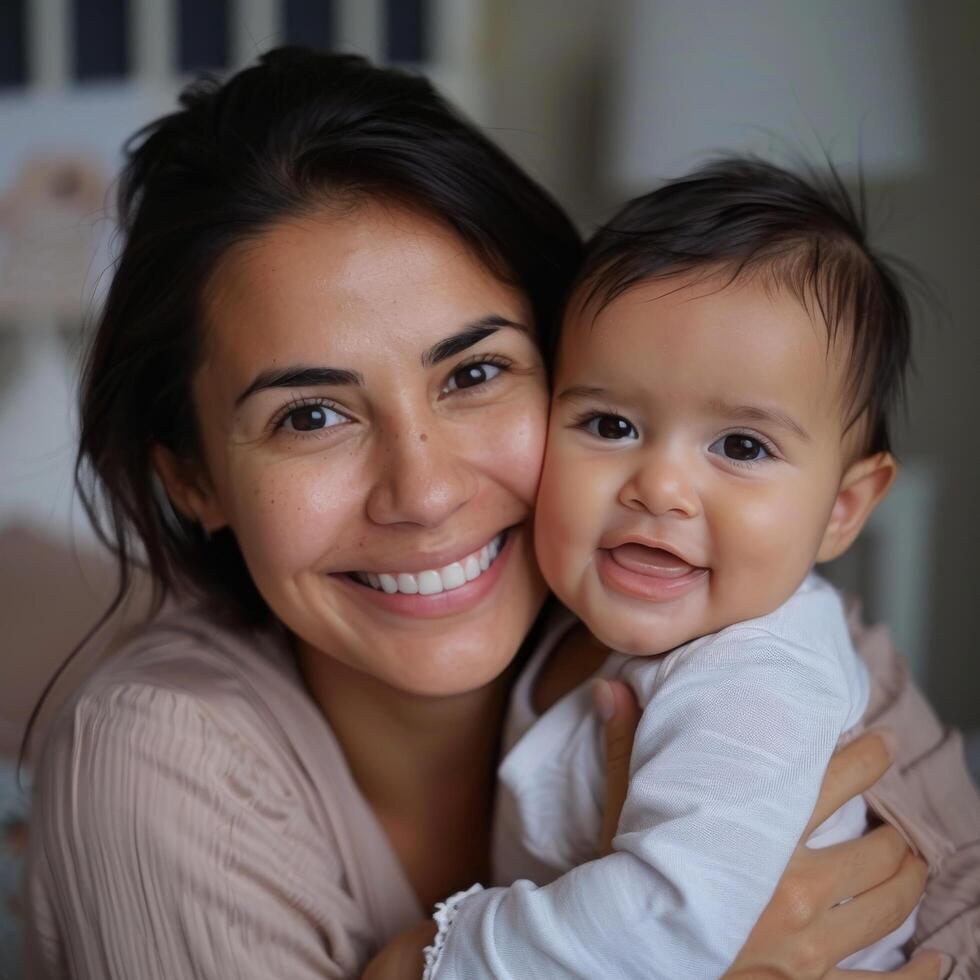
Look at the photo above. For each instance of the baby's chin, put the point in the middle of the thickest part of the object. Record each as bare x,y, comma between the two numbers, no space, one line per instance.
624,630
639,643
638,635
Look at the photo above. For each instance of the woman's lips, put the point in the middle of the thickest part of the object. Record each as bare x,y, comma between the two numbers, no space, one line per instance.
647,573
445,603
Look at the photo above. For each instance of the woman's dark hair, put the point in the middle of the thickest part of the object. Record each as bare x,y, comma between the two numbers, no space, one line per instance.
800,229
281,139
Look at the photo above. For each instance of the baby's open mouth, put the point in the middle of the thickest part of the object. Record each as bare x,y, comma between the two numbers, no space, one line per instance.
435,580
656,562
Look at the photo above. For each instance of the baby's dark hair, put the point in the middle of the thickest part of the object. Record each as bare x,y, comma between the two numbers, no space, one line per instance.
802,232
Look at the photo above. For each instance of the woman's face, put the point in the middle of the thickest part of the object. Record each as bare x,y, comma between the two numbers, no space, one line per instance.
373,409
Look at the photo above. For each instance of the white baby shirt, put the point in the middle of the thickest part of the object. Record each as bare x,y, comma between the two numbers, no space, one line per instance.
736,732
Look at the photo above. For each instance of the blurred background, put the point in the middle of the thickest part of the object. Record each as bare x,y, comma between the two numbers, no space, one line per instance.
600,100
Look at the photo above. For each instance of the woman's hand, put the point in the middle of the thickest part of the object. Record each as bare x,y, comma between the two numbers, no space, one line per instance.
401,958
620,714
804,931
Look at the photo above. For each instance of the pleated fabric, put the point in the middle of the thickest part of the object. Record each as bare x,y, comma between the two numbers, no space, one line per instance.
194,817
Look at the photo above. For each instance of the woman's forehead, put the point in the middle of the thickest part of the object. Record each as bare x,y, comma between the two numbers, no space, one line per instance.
371,281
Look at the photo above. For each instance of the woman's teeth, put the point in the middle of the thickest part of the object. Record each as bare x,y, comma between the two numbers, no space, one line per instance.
435,580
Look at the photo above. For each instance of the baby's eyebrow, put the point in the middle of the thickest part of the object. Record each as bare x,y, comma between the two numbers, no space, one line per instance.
580,393
756,413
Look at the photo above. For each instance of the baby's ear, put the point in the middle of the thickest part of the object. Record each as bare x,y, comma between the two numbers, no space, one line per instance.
189,488
862,488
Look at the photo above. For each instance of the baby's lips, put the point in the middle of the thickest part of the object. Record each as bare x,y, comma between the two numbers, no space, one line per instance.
650,561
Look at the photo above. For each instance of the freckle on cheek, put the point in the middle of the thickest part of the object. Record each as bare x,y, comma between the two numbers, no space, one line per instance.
423,437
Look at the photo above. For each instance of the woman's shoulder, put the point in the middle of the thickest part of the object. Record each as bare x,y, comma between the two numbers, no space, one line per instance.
192,653
192,731
197,639
182,682
185,762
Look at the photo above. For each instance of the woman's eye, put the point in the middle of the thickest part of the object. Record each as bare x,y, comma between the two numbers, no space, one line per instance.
611,427
472,375
740,447
309,418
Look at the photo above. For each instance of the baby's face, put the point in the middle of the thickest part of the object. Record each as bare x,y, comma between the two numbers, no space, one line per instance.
694,457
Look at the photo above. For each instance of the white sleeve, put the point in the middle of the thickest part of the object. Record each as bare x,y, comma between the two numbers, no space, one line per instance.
726,768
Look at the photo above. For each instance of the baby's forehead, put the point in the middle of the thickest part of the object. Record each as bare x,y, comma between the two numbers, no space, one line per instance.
686,299
708,329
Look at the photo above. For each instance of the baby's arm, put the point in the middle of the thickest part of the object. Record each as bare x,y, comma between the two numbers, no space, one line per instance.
726,768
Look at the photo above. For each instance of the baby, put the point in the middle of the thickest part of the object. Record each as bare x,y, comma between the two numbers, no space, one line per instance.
723,380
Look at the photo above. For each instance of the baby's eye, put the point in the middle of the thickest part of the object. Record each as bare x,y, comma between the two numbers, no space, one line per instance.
309,418
611,427
740,447
471,375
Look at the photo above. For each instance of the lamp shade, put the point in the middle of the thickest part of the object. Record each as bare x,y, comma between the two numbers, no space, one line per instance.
777,77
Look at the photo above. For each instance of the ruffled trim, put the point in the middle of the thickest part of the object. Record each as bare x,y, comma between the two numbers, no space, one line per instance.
444,916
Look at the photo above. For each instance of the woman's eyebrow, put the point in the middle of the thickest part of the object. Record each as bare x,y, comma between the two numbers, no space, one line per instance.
467,337
300,377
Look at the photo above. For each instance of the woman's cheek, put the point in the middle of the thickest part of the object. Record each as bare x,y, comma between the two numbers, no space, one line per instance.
511,446
289,515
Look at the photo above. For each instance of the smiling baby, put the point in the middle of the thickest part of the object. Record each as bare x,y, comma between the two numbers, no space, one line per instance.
724,376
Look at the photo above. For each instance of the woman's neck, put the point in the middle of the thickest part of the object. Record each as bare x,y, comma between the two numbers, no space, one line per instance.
426,765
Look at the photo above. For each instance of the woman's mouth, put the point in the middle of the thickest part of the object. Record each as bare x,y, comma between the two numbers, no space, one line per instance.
435,580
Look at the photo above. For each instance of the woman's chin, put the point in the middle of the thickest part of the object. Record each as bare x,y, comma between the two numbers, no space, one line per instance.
463,676
440,649
453,660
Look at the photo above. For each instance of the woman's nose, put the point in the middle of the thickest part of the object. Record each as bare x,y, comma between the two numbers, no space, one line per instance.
662,486
421,480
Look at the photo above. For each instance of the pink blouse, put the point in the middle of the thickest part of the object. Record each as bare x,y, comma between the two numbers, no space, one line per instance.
194,817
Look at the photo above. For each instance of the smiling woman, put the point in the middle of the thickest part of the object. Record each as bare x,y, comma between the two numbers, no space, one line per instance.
324,341
315,409
371,403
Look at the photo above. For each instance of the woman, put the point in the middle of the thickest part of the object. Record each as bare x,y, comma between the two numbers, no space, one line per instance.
316,402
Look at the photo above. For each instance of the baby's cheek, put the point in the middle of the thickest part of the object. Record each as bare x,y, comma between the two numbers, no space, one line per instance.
769,545
557,523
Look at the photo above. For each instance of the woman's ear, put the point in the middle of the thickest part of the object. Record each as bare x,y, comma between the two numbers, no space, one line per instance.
189,488
864,485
